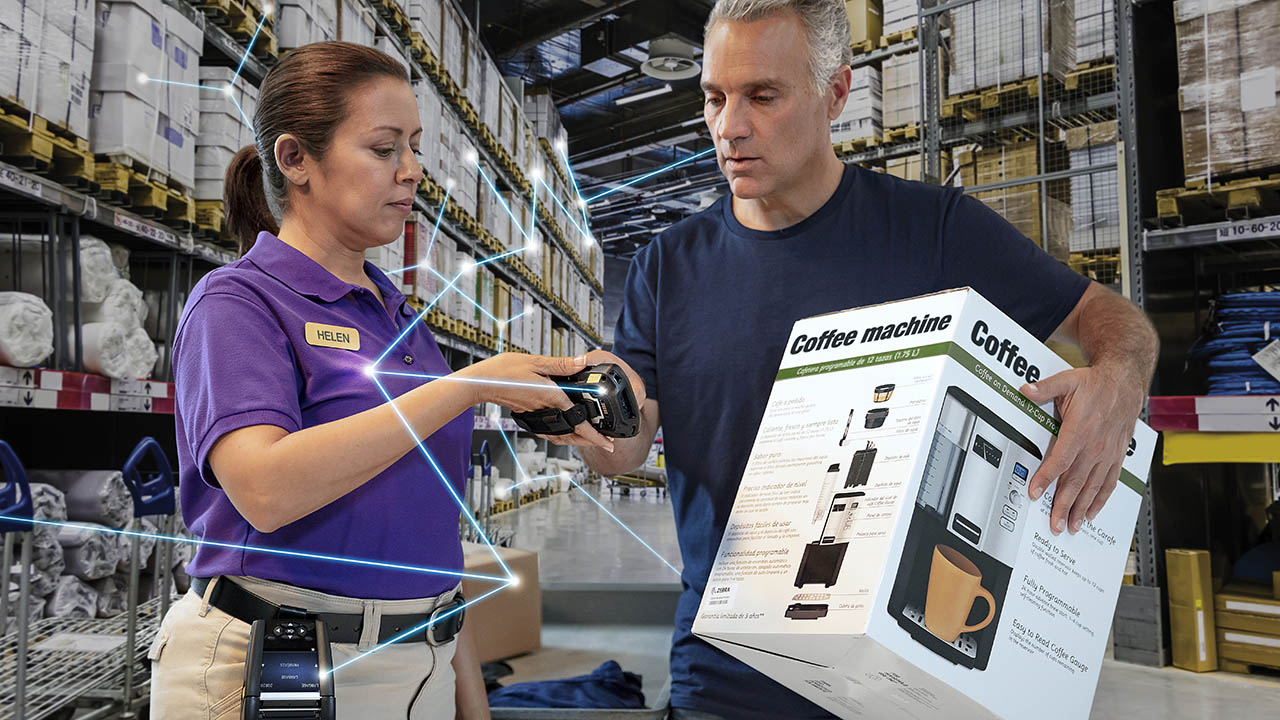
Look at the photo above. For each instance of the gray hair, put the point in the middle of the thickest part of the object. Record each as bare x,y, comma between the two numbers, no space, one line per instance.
825,24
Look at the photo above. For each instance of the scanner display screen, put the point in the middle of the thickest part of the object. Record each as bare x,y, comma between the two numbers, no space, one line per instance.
289,671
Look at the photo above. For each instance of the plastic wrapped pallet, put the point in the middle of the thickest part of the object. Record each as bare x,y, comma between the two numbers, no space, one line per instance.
899,16
225,119
429,107
861,116
1228,92
356,23
1021,204
900,89
20,25
89,553
26,330
113,595
1095,30
1095,197
452,41
302,22
997,42
72,598
95,496
179,98
66,64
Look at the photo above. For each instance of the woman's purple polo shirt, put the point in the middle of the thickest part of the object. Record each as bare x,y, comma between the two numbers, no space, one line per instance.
242,357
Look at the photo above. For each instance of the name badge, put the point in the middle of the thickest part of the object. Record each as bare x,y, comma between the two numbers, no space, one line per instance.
332,336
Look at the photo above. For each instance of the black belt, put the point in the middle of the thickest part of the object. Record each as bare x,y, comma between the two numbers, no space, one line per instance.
243,605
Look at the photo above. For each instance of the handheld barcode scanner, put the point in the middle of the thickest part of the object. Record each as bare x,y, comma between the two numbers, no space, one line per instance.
288,672
600,395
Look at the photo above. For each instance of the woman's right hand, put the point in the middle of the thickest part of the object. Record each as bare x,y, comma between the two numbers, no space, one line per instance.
510,380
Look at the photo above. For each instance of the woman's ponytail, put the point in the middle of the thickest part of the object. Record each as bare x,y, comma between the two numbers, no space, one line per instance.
247,211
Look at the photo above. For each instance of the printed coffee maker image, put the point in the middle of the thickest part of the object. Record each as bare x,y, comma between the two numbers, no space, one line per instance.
965,529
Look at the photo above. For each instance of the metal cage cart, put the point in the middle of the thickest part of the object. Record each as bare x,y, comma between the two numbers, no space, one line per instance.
52,665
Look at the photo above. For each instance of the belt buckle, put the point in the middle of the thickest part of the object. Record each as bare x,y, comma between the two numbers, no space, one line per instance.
452,624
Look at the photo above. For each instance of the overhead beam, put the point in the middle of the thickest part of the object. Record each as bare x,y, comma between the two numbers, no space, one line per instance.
598,88
553,27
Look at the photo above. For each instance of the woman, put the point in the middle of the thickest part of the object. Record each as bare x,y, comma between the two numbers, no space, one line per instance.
284,439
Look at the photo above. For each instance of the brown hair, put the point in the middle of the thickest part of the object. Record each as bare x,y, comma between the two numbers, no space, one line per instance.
304,95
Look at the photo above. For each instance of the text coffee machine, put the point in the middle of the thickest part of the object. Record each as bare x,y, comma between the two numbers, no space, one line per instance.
967,523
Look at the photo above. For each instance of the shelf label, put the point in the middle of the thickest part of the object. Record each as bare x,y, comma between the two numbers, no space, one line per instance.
1269,358
137,227
20,181
1247,229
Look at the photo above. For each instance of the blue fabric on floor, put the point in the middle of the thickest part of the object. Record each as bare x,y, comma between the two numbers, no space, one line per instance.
608,686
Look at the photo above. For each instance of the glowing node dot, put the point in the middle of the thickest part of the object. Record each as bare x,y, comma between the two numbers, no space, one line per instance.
515,581
466,267
450,183
472,156
142,78
560,145
268,9
370,370
228,90
535,173
582,203
590,241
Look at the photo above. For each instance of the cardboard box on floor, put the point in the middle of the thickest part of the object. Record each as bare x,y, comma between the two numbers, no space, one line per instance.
882,558
1191,620
507,623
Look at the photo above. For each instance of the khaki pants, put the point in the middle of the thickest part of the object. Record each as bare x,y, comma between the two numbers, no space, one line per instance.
198,659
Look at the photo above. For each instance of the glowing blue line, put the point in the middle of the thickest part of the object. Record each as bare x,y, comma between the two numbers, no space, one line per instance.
528,480
660,170
516,317
499,256
263,550
184,84
465,296
485,381
409,328
624,527
511,449
248,48
443,478
439,216
248,123
423,626
574,179
494,189
533,217
566,210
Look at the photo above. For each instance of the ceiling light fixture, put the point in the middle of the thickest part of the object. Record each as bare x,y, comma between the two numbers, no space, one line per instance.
644,95
670,58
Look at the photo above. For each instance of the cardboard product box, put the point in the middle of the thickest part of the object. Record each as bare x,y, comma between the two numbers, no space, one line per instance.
910,167
65,63
1095,197
1021,206
19,58
1191,619
424,18
984,56
1228,91
899,16
179,104
865,20
452,33
302,22
474,71
882,558
1247,607
464,268
385,44
507,623
546,332
355,25
491,103
862,113
130,32
1095,30
900,93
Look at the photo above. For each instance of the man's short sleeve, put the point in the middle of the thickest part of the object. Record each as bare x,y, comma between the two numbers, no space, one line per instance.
635,339
982,250
233,368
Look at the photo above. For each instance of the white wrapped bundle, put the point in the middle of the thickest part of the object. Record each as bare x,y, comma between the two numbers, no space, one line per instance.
141,352
49,503
72,598
502,488
36,610
146,546
120,258
123,305
113,596
46,553
97,270
26,329
94,496
534,463
89,552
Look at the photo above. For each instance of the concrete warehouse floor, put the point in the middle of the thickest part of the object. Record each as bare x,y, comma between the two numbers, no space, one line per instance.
583,550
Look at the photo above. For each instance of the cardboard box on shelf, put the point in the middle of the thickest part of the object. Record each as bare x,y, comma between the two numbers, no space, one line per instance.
424,18
899,16
865,20
882,558
1228,92
1021,204
1095,30
900,82
129,48
1095,197
302,22
507,623
997,42
1191,620
862,113
64,66
355,24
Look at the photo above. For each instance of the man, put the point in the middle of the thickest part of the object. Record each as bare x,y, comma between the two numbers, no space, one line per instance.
710,302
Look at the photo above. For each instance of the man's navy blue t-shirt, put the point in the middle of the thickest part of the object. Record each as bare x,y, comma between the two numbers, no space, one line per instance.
706,313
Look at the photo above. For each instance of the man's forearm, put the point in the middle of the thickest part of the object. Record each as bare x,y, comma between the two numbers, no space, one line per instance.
1114,333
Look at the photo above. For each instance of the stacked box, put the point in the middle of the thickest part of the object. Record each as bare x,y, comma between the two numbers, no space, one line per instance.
861,116
223,129
1227,69
65,63
452,42
1017,49
302,22
865,20
447,151
390,47
899,16
424,18
356,23
387,257
436,260
20,25
429,108
509,112
467,190
1095,197
1248,626
1020,205
154,123
459,307
541,111
1095,30
900,83
546,332
911,168
484,294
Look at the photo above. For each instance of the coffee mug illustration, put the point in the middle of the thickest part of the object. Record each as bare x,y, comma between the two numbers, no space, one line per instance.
955,582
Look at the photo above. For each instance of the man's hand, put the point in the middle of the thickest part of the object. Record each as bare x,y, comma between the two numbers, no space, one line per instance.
597,357
1098,406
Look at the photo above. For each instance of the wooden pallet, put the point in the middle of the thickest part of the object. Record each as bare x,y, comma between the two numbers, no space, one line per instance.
210,217
502,506
972,105
1247,668
905,133
846,147
1200,202
1101,266
240,20
394,15
1101,73
898,37
864,47
32,142
149,195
